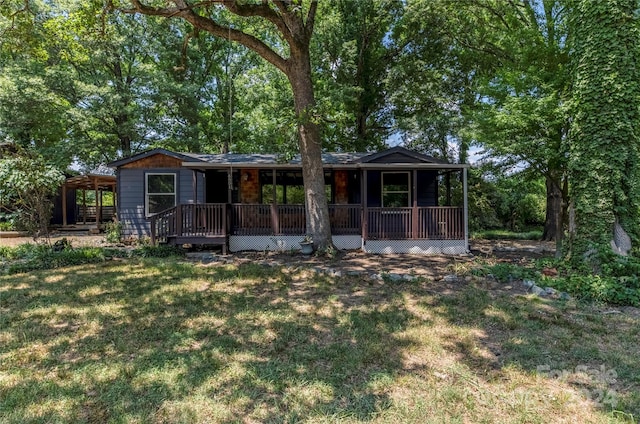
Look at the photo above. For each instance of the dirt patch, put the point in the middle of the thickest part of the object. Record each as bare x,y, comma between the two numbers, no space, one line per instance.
433,267
421,265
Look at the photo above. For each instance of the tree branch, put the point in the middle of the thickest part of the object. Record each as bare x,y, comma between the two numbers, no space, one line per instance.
185,11
262,10
311,18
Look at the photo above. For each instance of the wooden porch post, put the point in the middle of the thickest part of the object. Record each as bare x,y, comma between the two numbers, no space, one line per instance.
275,219
414,210
465,210
64,204
114,192
84,206
230,185
194,184
178,220
95,187
154,242
224,229
365,212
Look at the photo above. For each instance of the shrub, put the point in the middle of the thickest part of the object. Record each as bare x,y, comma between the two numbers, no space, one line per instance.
507,235
7,226
505,272
29,257
604,276
28,183
161,251
113,232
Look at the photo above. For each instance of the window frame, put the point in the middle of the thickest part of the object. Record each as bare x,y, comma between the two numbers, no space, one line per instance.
383,191
147,193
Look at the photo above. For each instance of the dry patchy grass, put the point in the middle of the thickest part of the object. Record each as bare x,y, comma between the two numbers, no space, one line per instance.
155,341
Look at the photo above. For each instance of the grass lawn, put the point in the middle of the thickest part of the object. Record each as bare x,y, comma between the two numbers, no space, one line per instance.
149,340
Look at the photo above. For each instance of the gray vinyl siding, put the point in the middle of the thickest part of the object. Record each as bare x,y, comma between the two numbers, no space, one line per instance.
131,196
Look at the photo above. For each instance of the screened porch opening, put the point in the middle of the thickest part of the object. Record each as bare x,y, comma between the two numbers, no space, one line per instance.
288,187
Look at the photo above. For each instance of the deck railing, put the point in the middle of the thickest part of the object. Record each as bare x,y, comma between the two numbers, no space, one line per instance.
441,222
163,225
204,220
250,219
189,220
88,213
389,223
346,220
258,219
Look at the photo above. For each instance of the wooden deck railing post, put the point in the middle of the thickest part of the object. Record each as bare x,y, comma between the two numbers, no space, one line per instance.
153,231
414,210
273,209
98,205
365,212
179,220
194,217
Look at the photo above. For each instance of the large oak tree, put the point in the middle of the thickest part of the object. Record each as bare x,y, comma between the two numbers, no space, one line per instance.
293,22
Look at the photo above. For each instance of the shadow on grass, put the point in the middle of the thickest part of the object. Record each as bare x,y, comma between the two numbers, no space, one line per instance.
161,341
140,340
571,346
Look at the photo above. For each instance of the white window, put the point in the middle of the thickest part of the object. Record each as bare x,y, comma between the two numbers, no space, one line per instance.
160,192
395,190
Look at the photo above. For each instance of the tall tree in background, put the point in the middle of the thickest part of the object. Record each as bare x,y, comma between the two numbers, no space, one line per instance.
353,54
433,80
522,116
604,140
284,44
32,112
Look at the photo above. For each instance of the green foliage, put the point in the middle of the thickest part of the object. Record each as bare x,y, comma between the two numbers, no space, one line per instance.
604,140
28,257
604,277
159,251
509,201
505,272
27,183
600,288
113,232
431,82
507,235
7,221
354,55
31,112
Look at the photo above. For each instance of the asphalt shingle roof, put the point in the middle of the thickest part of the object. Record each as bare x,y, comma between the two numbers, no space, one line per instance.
273,159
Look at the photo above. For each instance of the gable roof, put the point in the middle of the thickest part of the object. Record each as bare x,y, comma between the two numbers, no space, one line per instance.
185,157
401,155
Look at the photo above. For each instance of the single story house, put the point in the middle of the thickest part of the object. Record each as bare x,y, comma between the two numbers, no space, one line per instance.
386,202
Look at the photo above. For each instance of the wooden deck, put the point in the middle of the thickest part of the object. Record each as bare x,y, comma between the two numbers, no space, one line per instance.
212,223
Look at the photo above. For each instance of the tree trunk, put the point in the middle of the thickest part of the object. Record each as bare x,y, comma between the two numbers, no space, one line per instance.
604,143
317,210
553,225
